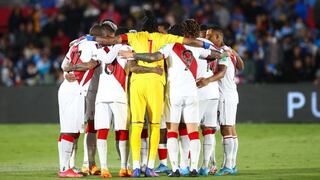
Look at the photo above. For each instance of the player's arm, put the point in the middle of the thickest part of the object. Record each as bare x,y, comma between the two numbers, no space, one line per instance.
147,57
195,43
81,67
222,69
134,67
106,41
240,63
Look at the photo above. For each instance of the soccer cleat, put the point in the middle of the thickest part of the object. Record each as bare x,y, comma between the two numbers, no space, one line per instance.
85,171
234,171
194,173
136,173
129,171
213,170
204,172
94,170
174,174
224,171
105,173
69,174
151,173
162,169
124,172
184,171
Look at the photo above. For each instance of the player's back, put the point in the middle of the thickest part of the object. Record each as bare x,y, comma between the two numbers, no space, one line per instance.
112,85
145,42
182,70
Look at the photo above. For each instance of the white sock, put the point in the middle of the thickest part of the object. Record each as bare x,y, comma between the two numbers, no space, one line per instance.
213,154
73,158
151,164
207,149
144,151
102,151
85,152
195,147
162,148
173,151
136,165
66,149
92,146
60,155
124,153
184,151
235,151
228,149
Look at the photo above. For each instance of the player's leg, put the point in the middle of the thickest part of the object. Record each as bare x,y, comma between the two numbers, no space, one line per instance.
191,115
184,144
154,96
90,138
103,117
137,109
208,113
173,148
172,112
72,163
120,111
71,113
162,149
235,150
144,144
227,121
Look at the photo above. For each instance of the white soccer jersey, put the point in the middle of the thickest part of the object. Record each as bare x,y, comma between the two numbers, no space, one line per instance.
211,91
112,83
82,52
182,74
227,85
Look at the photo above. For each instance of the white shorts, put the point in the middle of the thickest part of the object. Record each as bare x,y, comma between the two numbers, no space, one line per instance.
227,112
208,112
186,107
71,112
90,106
108,112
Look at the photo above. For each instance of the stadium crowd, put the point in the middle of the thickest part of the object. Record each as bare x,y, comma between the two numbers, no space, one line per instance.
279,40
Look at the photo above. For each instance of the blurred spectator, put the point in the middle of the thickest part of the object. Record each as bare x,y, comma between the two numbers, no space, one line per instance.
278,40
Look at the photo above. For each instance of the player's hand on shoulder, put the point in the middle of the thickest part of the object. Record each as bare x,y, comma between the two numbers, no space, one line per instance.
70,77
201,82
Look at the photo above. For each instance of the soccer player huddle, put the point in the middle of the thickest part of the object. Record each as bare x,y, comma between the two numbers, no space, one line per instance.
170,83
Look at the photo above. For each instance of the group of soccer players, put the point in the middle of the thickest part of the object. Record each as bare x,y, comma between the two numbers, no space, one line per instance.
169,83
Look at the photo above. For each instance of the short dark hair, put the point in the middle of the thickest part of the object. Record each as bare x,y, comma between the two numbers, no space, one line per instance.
166,25
216,28
121,30
97,30
203,27
176,30
150,23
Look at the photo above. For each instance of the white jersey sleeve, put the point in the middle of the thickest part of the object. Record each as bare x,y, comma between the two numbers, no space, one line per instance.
165,50
66,60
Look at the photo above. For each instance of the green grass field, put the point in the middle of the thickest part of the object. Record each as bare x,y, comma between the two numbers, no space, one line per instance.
266,151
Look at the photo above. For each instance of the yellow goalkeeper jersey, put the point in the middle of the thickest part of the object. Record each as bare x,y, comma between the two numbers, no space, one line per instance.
145,42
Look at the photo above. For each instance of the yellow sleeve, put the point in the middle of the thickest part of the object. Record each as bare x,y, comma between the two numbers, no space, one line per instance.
169,38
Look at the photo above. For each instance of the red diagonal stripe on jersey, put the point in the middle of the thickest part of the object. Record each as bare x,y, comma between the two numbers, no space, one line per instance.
178,49
106,49
75,59
119,73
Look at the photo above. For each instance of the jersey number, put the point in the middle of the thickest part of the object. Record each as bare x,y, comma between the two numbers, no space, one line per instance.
75,55
112,67
187,57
